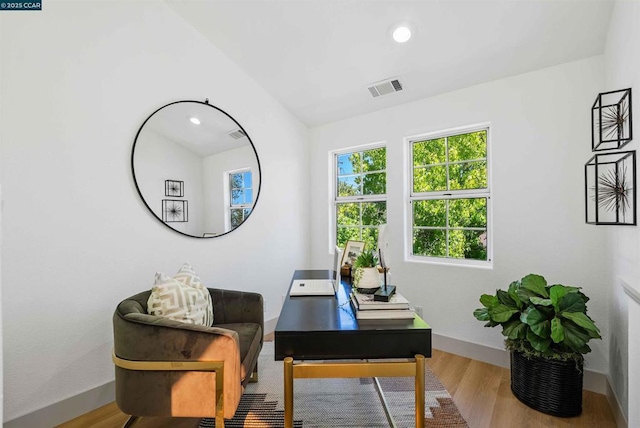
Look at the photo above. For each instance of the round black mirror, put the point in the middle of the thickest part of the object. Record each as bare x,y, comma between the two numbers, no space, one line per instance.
196,169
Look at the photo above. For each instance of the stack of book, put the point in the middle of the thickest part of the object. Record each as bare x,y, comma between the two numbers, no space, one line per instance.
366,308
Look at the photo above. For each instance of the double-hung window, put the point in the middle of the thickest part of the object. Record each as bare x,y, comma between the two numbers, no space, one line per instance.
241,201
450,197
360,195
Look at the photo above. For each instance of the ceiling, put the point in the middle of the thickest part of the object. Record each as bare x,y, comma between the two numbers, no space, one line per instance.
317,57
209,137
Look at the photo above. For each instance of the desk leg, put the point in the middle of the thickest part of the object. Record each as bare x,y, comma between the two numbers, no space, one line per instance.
419,391
288,392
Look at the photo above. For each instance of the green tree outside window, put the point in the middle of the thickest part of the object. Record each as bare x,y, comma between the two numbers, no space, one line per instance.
450,196
361,187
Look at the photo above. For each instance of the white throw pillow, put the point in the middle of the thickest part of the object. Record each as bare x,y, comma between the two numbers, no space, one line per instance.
181,298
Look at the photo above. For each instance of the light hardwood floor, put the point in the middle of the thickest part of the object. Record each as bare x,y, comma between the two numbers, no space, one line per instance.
481,391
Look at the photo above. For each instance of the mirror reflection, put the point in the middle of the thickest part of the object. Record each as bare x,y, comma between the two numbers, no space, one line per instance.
196,169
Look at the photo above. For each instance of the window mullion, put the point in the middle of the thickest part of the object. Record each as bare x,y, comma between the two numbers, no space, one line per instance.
446,157
447,226
361,173
360,219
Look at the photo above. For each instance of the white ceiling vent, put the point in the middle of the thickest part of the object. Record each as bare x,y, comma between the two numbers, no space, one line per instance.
385,87
237,134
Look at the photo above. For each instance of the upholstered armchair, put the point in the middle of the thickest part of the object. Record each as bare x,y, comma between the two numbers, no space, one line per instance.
171,369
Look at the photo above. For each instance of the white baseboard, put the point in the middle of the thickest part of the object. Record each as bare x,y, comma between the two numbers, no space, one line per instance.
270,325
66,410
616,408
486,354
85,402
82,403
592,381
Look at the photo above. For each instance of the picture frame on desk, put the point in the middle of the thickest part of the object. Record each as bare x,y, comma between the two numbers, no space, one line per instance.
352,250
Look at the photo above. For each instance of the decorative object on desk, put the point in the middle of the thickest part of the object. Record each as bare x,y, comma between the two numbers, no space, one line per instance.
175,211
366,276
352,250
610,189
547,330
386,314
366,307
366,302
386,291
174,188
345,271
611,120
353,402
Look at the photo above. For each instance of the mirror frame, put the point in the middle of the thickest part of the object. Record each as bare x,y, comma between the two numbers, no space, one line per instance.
133,169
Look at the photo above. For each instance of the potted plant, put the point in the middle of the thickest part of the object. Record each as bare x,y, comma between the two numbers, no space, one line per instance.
547,329
365,274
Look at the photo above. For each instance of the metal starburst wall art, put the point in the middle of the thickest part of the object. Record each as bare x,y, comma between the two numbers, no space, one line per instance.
613,191
174,188
613,120
175,211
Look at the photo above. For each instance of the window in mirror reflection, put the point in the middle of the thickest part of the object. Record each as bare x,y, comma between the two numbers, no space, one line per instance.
241,201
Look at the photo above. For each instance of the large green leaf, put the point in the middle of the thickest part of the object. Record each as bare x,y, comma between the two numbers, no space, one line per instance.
537,342
572,302
536,283
583,321
568,288
514,329
525,295
505,299
547,311
489,301
501,313
557,332
513,287
557,292
575,337
540,301
538,322
584,296
481,314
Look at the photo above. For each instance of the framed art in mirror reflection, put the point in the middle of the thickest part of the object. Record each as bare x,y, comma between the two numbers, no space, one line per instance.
174,188
175,211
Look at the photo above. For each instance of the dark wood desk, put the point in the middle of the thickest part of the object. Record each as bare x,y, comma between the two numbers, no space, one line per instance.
325,328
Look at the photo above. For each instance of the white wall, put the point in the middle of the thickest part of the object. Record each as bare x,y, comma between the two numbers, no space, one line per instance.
622,70
540,127
78,79
158,159
1,243
216,183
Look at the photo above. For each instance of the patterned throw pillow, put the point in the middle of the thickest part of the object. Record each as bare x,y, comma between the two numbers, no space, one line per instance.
181,298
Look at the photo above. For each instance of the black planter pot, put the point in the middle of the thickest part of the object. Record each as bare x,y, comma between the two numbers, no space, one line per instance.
549,386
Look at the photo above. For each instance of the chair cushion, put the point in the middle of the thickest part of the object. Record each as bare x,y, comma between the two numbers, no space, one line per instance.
181,298
250,336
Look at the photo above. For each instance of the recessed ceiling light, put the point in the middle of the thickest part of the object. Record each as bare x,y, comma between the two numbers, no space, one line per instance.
402,34
195,120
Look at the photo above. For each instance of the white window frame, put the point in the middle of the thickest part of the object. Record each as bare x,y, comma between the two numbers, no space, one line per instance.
229,196
411,197
333,186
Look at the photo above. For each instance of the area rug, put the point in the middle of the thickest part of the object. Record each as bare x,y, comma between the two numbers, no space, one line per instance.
339,403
